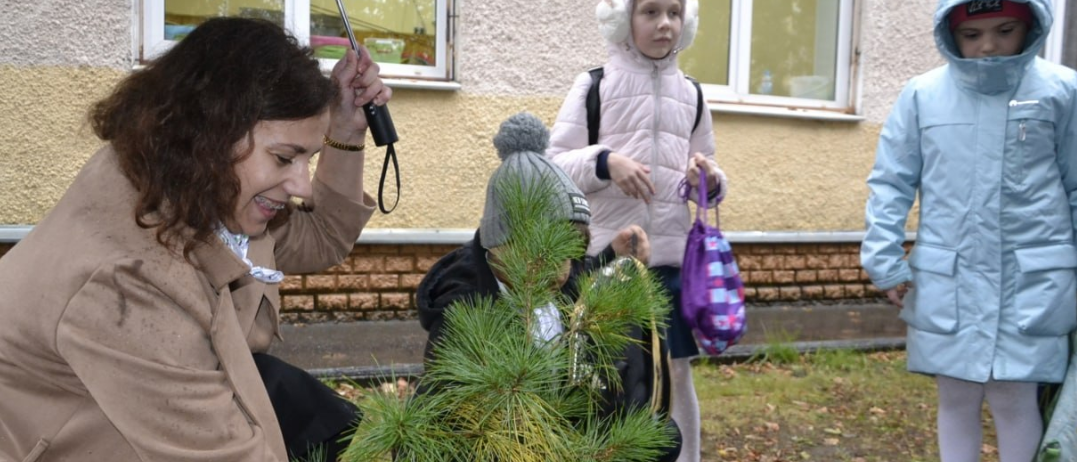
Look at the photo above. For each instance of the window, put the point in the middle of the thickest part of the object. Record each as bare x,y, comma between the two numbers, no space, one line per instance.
408,38
1060,46
792,53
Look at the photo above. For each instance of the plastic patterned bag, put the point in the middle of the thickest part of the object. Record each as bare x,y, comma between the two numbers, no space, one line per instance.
712,292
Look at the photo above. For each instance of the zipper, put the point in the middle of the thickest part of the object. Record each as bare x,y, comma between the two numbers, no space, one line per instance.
1015,103
1021,131
657,86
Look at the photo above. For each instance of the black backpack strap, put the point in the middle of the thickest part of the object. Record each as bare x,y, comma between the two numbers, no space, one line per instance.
699,102
593,106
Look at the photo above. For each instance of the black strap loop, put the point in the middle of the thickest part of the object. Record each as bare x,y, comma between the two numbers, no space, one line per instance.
390,154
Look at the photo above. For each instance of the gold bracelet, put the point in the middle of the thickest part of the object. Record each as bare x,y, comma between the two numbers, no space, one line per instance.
342,146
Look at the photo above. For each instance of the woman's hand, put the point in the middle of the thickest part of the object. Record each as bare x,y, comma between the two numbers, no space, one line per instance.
632,242
699,161
358,83
632,177
897,294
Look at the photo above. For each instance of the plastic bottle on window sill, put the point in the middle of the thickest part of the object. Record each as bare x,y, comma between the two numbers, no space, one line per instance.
766,86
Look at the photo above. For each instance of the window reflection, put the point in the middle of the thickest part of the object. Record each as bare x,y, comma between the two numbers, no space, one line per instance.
394,31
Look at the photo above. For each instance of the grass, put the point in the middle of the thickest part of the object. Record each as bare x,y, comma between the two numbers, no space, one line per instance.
835,405
830,405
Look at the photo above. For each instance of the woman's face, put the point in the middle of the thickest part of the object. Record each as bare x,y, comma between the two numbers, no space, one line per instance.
277,169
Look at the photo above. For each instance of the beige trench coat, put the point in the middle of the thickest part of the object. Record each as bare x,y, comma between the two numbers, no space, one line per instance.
114,349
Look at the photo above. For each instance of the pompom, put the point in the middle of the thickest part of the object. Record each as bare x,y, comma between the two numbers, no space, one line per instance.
522,132
614,22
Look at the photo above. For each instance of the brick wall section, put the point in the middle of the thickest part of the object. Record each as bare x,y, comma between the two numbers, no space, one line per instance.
378,282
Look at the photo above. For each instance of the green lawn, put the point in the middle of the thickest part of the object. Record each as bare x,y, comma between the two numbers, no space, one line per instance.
827,406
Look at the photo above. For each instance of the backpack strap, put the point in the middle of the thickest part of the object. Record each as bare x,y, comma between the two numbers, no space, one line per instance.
593,106
699,102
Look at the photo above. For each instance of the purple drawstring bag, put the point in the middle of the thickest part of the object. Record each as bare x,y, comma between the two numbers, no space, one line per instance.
712,292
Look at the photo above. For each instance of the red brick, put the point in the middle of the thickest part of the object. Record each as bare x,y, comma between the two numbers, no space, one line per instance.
855,291
847,275
833,291
332,302
363,301
835,261
425,263
410,281
396,301
767,293
353,282
297,302
807,276
784,277
795,262
807,249
385,249
789,293
384,281
813,292
321,282
399,264
761,277
785,249
749,293
828,275
291,283
344,267
829,248
816,261
749,262
772,262
369,264
763,249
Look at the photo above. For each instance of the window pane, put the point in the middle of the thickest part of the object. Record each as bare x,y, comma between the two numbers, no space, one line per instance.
707,60
794,48
181,16
395,31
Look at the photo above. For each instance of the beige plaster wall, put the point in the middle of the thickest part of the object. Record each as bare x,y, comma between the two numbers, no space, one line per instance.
786,174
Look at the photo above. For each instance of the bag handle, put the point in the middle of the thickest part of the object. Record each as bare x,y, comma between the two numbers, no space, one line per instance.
701,201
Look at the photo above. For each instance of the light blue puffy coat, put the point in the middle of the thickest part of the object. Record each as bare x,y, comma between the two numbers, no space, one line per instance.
989,145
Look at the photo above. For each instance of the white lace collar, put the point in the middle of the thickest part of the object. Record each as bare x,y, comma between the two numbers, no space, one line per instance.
239,243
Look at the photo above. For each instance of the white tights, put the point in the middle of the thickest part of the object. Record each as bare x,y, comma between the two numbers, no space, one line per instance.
685,407
1013,406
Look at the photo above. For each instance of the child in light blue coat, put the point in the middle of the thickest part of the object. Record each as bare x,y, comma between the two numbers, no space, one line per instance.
989,292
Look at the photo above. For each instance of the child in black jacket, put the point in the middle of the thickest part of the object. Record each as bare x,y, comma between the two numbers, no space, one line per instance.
471,272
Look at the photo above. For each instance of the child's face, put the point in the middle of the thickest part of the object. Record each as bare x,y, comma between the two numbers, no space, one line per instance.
982,38
656,26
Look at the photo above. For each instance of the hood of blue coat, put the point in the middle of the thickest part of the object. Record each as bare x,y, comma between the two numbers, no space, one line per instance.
995,74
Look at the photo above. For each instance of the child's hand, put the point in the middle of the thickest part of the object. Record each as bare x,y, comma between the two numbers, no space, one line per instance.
897,294
632,242
698,161
632,177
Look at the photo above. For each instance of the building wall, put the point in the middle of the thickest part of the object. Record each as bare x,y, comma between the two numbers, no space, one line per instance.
57,57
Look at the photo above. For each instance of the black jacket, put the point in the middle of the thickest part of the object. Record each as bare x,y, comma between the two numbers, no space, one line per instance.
464,274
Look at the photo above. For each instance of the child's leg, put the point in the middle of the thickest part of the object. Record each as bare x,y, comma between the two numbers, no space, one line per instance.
1017,419
960,404
685,407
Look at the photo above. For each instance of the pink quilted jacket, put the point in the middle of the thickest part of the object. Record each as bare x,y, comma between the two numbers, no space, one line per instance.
648,108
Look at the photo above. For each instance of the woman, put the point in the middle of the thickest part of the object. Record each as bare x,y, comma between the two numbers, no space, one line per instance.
132,310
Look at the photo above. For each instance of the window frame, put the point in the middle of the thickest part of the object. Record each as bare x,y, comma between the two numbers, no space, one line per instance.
738,91
297,22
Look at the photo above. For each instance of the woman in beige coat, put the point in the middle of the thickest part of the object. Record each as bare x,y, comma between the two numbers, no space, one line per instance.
131,311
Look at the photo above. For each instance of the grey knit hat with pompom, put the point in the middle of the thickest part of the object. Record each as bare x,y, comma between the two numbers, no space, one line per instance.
521,143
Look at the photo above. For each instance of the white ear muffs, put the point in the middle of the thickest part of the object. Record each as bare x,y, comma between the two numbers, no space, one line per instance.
613,20
691,24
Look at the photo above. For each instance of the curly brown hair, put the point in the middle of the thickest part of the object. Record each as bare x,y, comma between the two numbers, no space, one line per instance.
174,124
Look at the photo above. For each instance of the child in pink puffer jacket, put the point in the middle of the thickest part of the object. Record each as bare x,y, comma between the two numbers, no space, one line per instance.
647,145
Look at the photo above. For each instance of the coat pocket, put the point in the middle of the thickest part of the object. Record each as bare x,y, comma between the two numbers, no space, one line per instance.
1046,298
36,453
931,305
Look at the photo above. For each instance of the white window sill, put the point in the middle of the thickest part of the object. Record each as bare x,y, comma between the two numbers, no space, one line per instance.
418,84
782,111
